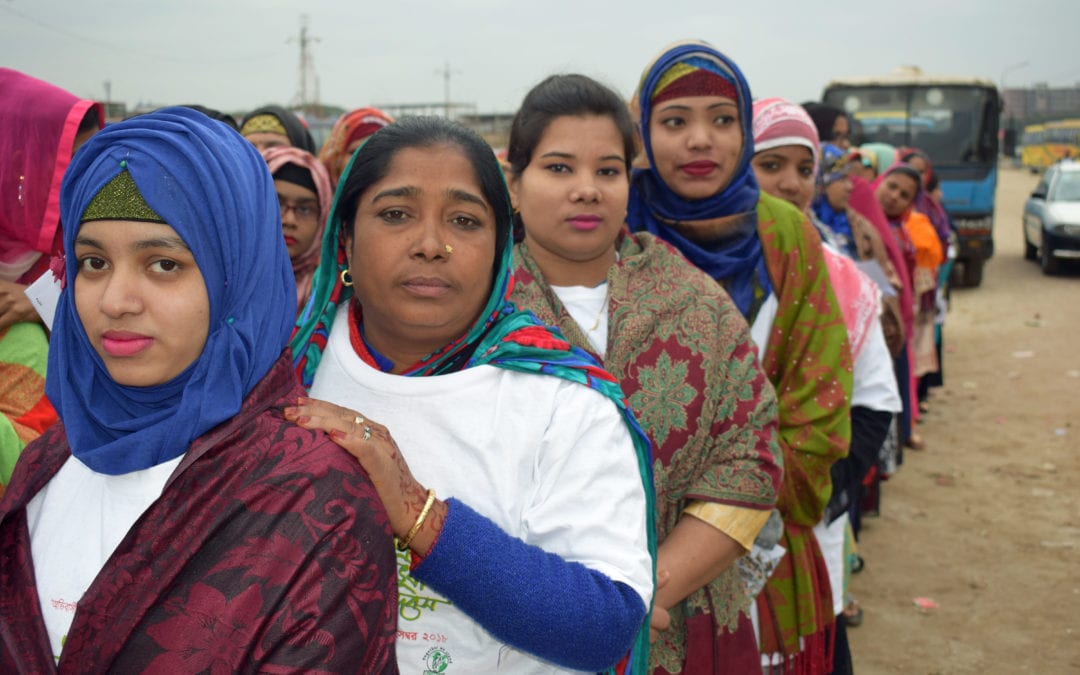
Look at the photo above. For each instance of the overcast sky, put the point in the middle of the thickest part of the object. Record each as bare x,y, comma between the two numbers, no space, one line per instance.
237,54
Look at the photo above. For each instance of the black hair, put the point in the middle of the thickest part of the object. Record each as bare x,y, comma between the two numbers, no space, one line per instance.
91,121
905,169
561,96
824,116
932,182
373,160
215,114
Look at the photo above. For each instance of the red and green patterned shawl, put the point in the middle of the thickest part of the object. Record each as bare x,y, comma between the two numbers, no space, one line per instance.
683,354
25,413
809,362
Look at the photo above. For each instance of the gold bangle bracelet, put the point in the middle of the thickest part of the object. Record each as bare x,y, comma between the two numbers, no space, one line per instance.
404,545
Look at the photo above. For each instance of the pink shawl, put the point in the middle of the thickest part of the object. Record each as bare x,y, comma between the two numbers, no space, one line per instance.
38,125
866,204
858,296
304,264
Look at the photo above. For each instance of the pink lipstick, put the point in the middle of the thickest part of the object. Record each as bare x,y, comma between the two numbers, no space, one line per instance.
584,223
124,343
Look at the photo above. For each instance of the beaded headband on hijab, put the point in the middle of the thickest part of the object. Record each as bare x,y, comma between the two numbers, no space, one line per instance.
263,123
120,199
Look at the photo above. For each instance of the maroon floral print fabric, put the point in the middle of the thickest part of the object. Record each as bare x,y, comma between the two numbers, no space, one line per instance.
268,551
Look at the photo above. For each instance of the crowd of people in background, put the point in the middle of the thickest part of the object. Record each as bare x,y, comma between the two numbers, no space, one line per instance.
615,398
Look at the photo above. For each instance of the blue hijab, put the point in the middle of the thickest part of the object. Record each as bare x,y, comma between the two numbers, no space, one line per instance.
833,161
737,260
215,190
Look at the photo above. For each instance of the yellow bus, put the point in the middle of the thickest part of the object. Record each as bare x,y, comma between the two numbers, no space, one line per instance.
1044,144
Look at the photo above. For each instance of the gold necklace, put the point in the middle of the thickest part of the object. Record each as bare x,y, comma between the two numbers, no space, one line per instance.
603,308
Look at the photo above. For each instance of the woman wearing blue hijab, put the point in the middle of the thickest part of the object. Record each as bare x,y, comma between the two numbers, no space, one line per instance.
174,521
699,193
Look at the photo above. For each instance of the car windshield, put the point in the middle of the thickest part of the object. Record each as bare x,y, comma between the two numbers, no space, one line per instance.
1067,187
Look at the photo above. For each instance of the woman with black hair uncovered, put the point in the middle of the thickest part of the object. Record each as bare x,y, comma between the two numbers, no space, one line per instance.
677,344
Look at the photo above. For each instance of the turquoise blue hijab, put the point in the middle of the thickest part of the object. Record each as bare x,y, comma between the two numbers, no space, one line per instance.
215,190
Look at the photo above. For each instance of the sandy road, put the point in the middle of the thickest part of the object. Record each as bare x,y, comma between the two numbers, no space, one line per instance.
986,520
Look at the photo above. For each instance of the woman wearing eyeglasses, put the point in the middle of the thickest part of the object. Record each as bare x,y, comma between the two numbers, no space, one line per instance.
304,193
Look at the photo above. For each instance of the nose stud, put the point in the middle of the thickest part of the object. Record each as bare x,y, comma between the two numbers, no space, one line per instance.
449,248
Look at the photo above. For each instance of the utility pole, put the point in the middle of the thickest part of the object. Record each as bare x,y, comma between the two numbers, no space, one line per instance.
446,73
309,82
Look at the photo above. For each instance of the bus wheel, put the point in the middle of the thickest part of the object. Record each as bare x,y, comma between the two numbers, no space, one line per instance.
972,272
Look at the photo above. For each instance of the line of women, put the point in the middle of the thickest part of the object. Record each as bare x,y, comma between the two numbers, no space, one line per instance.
608,412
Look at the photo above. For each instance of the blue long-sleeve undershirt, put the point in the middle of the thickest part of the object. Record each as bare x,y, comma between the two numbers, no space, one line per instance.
535,601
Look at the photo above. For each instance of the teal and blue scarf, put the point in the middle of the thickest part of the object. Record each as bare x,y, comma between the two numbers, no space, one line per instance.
502,336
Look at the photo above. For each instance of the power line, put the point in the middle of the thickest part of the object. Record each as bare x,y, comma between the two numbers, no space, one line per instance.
125,49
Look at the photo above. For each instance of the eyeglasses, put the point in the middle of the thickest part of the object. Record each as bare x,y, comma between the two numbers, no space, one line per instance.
305,210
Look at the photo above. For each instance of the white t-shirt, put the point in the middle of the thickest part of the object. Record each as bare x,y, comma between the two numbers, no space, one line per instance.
874,380
76,522
759,332
588,307
830,537
547,460
873,386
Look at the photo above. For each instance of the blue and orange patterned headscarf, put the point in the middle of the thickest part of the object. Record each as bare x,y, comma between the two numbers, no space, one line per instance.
502,336
698,69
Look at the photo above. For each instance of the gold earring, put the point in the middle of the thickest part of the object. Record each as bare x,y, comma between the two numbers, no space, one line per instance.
346,278
449,248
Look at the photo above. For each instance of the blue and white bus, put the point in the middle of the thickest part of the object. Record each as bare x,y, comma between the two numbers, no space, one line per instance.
954,120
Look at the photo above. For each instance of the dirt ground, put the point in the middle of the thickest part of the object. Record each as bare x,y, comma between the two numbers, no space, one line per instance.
985,521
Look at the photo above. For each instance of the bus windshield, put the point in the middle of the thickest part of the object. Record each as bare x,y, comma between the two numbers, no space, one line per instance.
954,124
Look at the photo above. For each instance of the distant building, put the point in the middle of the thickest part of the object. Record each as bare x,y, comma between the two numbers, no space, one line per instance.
114,110
1039,103
494,126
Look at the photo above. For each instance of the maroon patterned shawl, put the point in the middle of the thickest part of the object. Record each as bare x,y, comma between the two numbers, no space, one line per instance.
268,551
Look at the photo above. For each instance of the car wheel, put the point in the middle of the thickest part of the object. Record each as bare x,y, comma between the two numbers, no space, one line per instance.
1031,251
1047,261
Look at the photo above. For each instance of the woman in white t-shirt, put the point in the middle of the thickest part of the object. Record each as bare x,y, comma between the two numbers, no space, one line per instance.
787,163
174,521
516,481
679,347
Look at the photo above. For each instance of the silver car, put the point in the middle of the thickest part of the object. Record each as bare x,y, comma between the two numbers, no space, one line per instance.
1052,217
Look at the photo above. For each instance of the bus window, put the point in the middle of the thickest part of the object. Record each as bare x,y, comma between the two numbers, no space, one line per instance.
949,122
